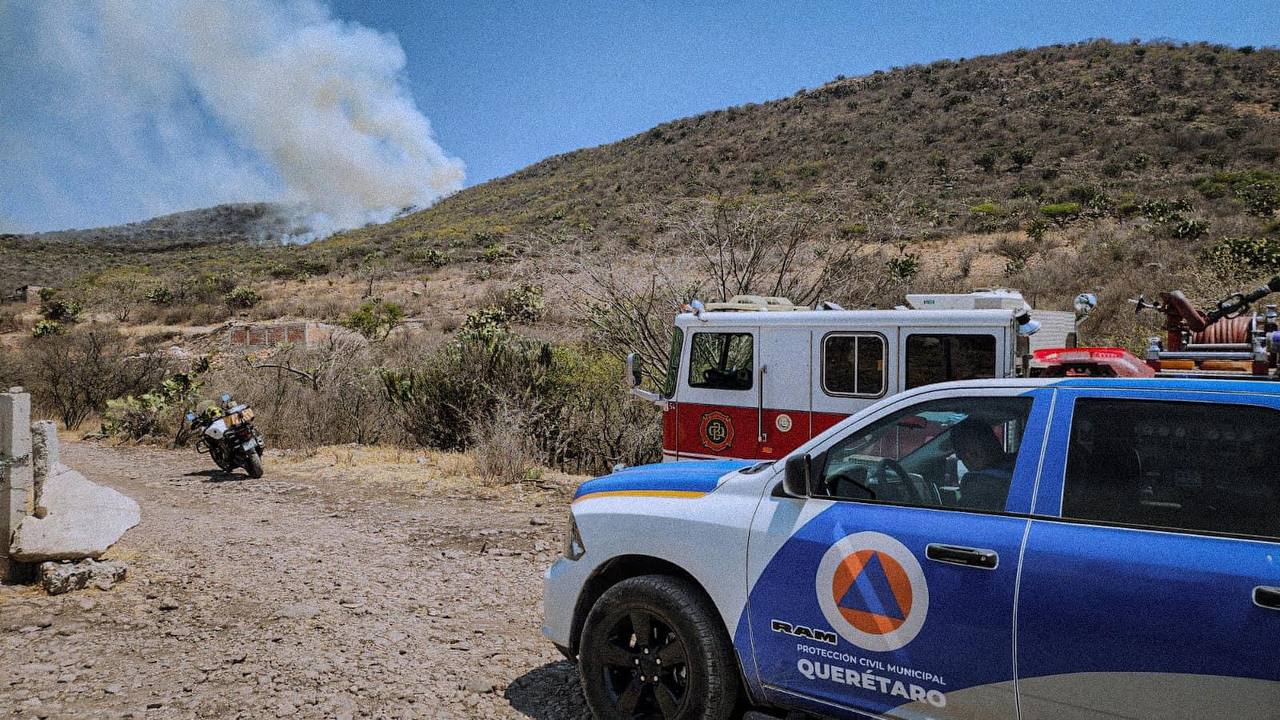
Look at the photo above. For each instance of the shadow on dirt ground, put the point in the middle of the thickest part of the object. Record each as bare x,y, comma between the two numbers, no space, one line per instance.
549,692
216,475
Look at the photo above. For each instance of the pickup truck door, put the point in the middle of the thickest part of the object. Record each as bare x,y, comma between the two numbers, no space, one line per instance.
899,605
1151,577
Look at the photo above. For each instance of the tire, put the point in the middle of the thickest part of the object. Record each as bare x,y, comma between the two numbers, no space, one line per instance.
253,465
219,458
699,680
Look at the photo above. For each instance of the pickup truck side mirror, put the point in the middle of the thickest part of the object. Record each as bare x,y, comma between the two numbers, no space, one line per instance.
795,476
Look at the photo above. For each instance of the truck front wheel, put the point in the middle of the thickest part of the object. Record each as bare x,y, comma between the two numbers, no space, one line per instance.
654,647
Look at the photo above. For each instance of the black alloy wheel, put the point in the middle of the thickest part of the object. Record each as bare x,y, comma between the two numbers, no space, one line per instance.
653,648
647,669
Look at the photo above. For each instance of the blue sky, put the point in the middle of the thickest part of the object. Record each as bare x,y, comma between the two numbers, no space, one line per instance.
100,125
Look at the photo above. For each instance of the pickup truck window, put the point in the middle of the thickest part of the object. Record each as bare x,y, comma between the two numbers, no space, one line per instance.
1178,465
954,452
942,358
722,361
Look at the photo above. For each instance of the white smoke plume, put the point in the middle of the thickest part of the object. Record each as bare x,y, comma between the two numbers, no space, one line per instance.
168,105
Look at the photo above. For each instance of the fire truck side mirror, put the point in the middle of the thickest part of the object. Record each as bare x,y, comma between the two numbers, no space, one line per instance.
633,381
795,476
633,370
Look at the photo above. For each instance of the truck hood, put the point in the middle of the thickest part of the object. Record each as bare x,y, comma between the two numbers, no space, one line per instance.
688,478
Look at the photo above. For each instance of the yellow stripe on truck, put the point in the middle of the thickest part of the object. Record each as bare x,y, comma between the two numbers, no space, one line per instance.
678,494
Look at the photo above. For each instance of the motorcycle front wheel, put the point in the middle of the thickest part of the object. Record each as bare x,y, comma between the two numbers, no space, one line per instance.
253,465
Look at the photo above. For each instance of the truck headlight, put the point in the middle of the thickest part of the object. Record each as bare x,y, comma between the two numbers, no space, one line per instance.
573,547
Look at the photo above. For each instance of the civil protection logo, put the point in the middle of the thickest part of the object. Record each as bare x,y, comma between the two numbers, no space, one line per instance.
872,591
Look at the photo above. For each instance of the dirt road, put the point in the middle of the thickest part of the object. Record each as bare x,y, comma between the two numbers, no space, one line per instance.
331,588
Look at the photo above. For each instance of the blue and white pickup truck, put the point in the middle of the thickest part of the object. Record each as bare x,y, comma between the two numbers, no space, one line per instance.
986,549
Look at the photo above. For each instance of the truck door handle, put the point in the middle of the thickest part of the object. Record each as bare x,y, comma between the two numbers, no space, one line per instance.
1267,597
969,557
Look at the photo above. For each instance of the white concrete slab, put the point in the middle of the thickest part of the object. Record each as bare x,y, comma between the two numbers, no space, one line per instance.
84,519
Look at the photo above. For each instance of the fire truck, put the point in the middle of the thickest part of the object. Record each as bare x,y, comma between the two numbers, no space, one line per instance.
1228,340
1225,341
756,377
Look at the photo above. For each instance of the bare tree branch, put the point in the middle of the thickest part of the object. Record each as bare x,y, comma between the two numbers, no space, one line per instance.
315,383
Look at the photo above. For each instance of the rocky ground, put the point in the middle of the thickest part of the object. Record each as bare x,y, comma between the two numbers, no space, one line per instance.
331,588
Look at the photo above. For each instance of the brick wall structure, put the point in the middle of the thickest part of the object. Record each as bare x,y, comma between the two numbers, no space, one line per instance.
265,335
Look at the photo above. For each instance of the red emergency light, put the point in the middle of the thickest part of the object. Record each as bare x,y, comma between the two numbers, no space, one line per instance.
1089,362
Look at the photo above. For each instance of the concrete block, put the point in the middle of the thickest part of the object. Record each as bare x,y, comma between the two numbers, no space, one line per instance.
15,473
84,519
15,464
45,455
15,424
59,578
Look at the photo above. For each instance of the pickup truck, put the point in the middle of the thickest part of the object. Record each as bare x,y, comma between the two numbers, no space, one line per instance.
1072,548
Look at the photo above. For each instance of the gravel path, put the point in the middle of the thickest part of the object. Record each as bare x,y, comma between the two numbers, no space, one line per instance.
323,590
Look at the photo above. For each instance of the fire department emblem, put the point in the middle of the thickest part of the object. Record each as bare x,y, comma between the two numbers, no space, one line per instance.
716,431
872,591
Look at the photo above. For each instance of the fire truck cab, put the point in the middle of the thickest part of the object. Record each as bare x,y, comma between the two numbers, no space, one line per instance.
757,377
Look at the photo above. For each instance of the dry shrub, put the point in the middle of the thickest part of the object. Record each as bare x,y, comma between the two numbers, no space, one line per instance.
715,249
181,313
502,444
565,403
10,319
74,375
602,425
315,300
307,398
12,371
158,413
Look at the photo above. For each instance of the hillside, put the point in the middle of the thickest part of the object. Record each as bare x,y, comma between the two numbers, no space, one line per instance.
237,222
1121,169
1100,165
1018,130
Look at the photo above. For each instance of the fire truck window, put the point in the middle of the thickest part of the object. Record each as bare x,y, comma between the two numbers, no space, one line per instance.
1179,465
673,364
853,365
722,361
942,358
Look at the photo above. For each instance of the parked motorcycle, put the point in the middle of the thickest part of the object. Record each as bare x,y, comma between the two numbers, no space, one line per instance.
227,433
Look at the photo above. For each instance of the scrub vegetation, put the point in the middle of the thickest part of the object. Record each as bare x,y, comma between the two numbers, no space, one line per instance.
1115,168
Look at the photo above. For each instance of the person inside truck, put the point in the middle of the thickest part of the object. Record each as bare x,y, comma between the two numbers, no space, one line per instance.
989,470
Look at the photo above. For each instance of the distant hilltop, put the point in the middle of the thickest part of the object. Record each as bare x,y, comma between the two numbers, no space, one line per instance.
221,224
